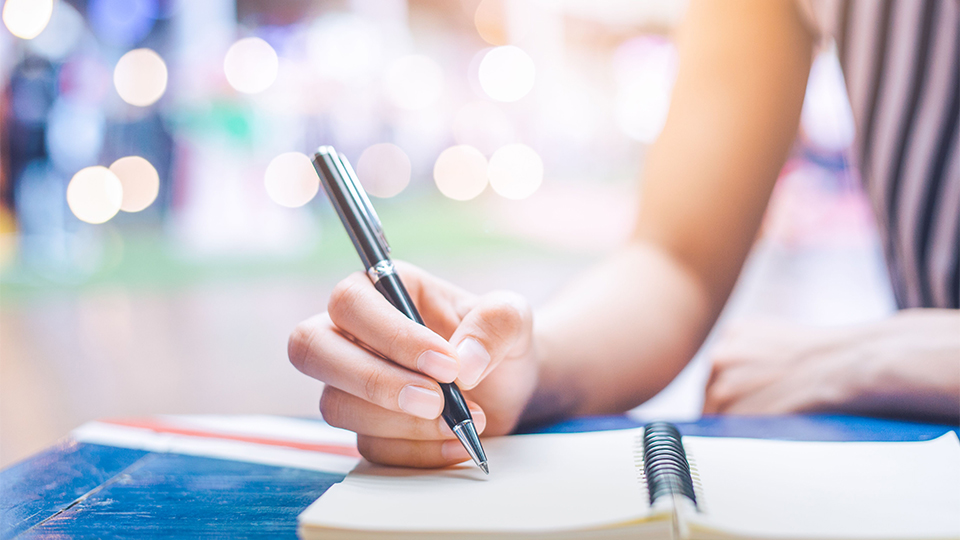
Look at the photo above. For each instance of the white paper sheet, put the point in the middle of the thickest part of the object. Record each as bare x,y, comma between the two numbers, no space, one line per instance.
786,489
747,488
536,483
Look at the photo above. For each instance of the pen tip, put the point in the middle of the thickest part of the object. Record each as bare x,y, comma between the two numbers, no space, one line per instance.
485,467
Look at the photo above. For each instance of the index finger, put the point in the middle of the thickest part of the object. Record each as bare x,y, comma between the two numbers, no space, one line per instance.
357,308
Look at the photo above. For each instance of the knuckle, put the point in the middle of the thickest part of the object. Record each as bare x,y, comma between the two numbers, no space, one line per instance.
344,296
425,430
720,360
398,342
719,392
330,407
300,342
424,456
375,389
725,354
368,448
507,313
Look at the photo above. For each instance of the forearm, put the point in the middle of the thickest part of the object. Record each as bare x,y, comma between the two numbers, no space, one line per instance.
617,335
620,333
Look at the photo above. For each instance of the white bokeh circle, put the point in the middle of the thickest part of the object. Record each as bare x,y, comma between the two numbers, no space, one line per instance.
140,77
460,172
515,171
291,180
94,194
140,182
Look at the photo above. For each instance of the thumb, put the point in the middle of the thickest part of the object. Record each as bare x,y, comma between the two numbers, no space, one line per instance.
498,323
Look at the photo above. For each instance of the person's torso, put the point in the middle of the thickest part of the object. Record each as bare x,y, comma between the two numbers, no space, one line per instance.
901,62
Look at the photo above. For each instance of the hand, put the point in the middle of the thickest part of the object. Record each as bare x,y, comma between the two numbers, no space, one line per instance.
773,368
907,365
381,369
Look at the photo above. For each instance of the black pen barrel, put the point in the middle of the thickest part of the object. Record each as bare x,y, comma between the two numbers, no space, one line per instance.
455,408
393,290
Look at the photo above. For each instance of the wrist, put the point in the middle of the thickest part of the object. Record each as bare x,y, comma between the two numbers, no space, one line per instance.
905,365
552,397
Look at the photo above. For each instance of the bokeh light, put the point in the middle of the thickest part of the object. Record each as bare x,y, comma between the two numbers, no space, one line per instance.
251,65
291,180
515,171
140,77
461,172
140,182
483,125
490,19
94,194
27,18
61,34
414,82
507,73
384,170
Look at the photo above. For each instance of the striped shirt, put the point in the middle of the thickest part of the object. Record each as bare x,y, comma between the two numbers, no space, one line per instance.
901,63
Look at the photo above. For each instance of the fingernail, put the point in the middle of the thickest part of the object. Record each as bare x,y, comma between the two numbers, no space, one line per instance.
420,402
479,419
453,451
439,366
474,359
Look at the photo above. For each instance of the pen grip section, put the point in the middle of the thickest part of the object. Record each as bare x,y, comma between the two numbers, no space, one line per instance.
393,290
455,408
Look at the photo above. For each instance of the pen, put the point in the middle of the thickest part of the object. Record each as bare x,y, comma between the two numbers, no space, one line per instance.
363,225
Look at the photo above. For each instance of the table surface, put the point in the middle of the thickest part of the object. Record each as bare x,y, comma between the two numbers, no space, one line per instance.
81,489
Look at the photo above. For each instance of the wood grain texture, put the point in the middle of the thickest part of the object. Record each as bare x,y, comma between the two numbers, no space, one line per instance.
172,495
40,487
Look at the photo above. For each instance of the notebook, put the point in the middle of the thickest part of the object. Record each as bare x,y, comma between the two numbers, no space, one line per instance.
651,483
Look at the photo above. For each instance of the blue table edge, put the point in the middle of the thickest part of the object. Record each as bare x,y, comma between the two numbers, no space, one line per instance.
48,483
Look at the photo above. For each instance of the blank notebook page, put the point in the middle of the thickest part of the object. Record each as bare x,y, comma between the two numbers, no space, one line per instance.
783,489
536,483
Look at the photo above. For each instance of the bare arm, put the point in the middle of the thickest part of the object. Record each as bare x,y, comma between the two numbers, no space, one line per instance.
619,334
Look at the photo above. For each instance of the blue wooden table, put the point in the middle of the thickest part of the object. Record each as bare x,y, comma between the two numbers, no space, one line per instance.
92,490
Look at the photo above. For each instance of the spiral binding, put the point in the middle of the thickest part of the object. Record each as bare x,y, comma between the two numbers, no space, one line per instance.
665,464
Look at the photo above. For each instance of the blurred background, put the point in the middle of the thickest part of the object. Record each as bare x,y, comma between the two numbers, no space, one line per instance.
161,230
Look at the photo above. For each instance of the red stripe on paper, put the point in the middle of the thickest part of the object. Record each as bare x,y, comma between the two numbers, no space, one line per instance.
159,427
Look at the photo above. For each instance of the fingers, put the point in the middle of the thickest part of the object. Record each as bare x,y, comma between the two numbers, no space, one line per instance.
729,358
712,398
498,324
740,384
441,303
357,308
381,369
407,453
730,380
319,350
343,410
